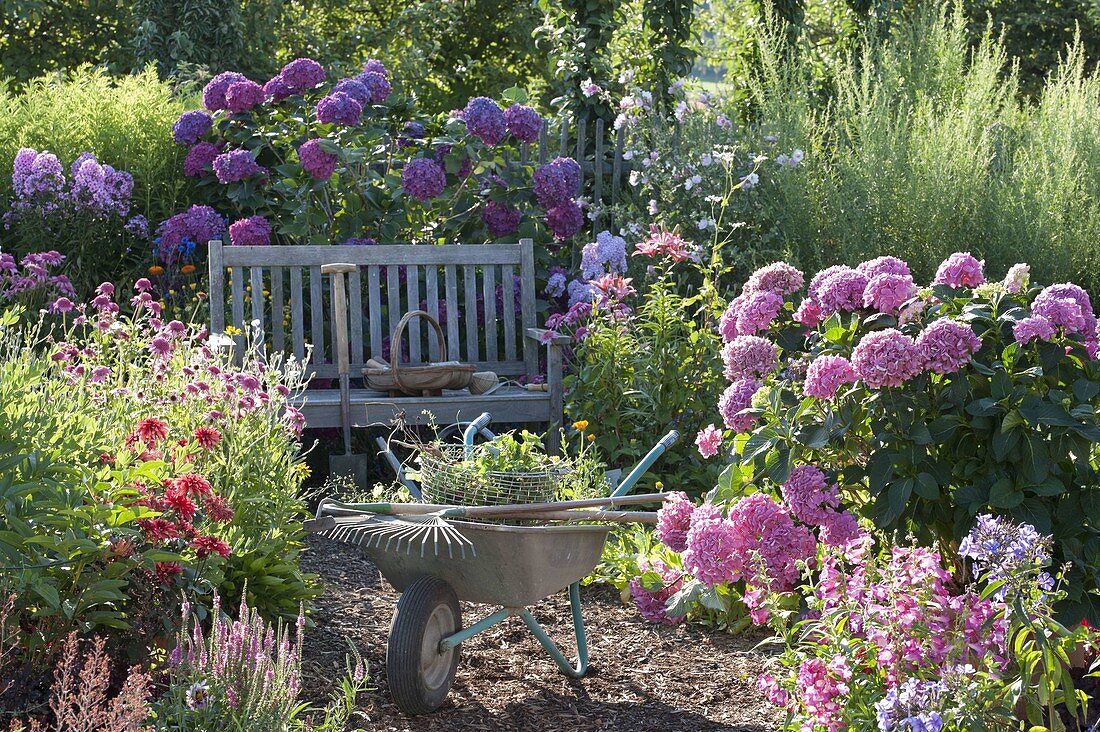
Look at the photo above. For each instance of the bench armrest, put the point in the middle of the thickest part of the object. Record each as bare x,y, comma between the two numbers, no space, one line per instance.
539,334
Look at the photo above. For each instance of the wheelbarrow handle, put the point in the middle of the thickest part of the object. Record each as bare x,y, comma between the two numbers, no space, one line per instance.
651,457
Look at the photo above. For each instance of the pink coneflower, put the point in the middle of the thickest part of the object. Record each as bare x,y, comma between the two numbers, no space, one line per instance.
106,289
160,346
142,285
100,374
61,305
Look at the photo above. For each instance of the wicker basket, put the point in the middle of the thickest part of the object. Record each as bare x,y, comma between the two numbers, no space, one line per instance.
446,480
424,380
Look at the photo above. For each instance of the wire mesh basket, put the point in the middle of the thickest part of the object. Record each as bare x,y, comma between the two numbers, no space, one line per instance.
446,478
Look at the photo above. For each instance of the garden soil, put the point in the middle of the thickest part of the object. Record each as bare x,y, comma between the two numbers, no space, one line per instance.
641,677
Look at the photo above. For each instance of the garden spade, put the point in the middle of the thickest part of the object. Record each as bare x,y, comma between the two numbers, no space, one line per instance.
349,464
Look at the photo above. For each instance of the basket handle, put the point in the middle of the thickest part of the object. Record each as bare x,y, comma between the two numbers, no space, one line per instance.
399,333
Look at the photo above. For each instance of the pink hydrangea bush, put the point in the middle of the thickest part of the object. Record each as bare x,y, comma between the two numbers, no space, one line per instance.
925,405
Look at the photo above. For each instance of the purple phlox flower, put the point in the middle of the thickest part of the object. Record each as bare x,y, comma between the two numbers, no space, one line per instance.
556,282
606,254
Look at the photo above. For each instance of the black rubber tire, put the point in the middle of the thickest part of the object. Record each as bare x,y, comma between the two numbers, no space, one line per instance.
419,682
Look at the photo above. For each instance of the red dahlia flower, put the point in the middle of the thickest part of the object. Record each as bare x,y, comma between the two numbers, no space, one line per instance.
152,431
207,545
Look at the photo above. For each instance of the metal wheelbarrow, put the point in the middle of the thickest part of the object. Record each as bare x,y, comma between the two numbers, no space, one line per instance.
505,565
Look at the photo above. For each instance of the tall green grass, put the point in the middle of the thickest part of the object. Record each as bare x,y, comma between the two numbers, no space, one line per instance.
126,121
927,147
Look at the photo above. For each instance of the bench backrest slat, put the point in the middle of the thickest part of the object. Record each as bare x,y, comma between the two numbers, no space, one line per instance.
473,291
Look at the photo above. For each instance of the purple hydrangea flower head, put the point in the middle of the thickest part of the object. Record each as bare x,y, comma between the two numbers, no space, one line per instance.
374,66
778,277
236,165
500,218
727,324
948,345
377,85
606,254
523,122
814,290
734,400
749,355
758,311
557,182
199,158
364,241
191,127
826,374
651,604
242,96
412,130
809,495
182,232
711,541
423,179
213,94
887,292
319,164
1067,306
250,232
1036,326
339,108
842,291
484,120
674,520
961,269
302,74
565,219
354,89
884,265
277,89
887,358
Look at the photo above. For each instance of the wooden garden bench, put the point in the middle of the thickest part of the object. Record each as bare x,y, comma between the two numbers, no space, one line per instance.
456,284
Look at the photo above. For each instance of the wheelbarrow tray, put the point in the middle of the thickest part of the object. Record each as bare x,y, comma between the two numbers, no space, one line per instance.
512,566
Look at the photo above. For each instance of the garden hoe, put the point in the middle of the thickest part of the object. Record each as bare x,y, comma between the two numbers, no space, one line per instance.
349,464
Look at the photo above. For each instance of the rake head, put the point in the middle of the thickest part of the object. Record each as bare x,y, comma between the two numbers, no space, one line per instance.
394,533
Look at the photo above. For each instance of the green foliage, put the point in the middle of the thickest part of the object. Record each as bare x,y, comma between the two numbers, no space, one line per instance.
926,149
576,36
454,50
126,121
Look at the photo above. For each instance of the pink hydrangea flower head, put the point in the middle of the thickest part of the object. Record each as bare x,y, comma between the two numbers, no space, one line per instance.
765,528
814,290
727,324
1028,329
651,603
887,292
884,265
674,520
809,314
712,554
735,399
749,355
320,165
778,277
758,311
1056,304
948,345
887,358
842,291
826,374
1017,278
251,231
809,495
709,440
961,269
839,529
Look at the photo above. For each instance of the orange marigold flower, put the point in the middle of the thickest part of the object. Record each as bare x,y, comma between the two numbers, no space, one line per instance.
187,268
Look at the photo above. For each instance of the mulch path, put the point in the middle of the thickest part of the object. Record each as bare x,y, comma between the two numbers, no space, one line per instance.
641,676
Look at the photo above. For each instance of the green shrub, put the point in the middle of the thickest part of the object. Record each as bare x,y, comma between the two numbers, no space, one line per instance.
126,121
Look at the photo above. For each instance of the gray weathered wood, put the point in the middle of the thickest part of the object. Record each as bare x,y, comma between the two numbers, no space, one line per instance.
489,294
469,274
316,313
217,287
431,296
257,293
374,312
393,306
278,311
297,317
237,287
527,304
450,277
380,254
412,287
355,310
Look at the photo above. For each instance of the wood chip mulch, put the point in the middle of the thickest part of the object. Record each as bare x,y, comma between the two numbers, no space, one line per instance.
641,676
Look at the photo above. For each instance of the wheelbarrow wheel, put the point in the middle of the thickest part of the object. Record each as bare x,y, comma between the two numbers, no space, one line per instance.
420,672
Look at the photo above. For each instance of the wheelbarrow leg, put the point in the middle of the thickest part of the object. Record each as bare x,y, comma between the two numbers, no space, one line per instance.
581,668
